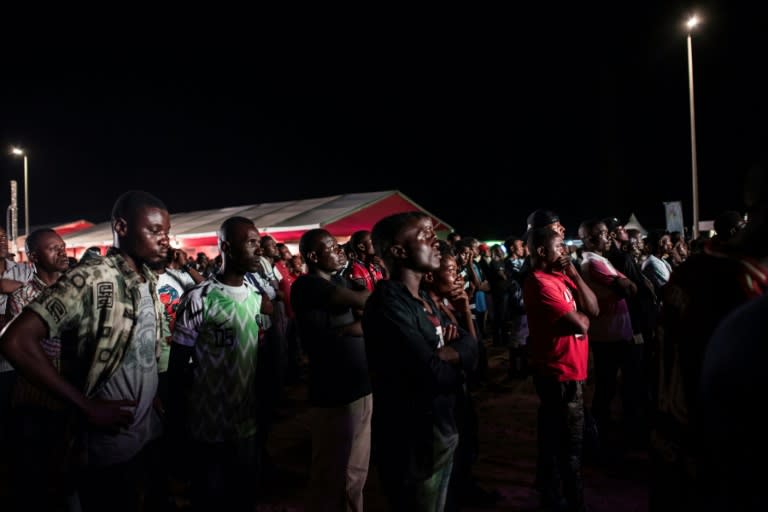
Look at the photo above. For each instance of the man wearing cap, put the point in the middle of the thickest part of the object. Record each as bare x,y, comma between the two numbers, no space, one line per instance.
545,218
610,333
643,313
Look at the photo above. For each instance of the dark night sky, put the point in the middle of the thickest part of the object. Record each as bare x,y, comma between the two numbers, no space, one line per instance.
582,112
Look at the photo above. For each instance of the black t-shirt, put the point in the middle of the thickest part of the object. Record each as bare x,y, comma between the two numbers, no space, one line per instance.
338,371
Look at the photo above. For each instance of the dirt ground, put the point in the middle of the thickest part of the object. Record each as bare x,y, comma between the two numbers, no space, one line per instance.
507,459
506,464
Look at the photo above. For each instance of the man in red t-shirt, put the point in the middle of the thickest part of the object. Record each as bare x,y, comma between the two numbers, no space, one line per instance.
558,301
363,271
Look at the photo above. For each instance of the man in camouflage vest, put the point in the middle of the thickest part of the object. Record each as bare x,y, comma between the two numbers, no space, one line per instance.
109,307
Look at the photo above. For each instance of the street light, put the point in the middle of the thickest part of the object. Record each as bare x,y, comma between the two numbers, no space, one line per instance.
692,22
20,152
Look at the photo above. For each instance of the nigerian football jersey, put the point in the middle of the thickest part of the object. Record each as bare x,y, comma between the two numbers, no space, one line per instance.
219,322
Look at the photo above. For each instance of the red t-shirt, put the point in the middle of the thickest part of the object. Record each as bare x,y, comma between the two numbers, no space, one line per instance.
367,274
549,296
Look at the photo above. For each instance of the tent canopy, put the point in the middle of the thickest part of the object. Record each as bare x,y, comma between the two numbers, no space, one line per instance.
286,221
633,223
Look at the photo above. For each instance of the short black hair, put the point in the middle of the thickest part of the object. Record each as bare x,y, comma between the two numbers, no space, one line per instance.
130,202
510,242
446,249
33,240
727,221
586,227
357,238
653,239
386,230
225,230
308,241
540,237
464,242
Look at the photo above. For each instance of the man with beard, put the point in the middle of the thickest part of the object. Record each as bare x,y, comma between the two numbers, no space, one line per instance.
416,370
110,307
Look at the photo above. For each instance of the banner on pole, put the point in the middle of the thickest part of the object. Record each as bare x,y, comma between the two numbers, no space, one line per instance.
674,214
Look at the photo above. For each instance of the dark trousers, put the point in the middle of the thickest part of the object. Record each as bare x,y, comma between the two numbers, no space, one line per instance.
7,381
116,488
609,358
560,436
226,475
41,479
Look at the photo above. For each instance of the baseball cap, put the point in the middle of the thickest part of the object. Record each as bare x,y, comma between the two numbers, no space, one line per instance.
612,223
540,218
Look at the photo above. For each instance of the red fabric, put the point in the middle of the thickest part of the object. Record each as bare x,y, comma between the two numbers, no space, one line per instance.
369,275
366,217
72,227
285,286
549,296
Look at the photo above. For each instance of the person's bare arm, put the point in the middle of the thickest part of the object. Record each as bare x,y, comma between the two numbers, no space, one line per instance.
20,344
267,307
585,297
353,329
345,297
574,322
9,286
625,287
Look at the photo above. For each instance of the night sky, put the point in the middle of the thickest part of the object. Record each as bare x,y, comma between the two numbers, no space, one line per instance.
583,112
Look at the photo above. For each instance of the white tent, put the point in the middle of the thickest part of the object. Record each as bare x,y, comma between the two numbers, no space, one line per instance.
341,215
633,223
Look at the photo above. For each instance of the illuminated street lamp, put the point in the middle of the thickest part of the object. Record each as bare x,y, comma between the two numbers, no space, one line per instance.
20,152
692,22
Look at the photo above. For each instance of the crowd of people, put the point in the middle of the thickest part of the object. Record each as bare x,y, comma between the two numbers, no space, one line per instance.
131,370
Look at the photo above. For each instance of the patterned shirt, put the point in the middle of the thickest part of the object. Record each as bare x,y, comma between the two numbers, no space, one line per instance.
17,272
25,392
98,300
219,322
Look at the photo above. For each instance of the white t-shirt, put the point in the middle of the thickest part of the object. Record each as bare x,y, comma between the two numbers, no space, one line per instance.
136,380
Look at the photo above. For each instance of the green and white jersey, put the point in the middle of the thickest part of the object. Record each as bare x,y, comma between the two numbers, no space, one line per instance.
219,322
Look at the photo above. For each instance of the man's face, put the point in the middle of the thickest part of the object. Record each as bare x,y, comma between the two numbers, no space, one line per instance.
558,228
269,248
296,265
50,254
367,246
665,243
620,234
285,253
475,249
464,256
518,249
329,254
421,245
554,250
3,243
244,248
599,238
146,237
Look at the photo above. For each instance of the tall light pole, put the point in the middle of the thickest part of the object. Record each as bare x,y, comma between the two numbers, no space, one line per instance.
691,24
20,152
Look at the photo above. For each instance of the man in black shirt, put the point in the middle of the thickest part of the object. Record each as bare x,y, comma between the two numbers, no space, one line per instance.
416,370
339,387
